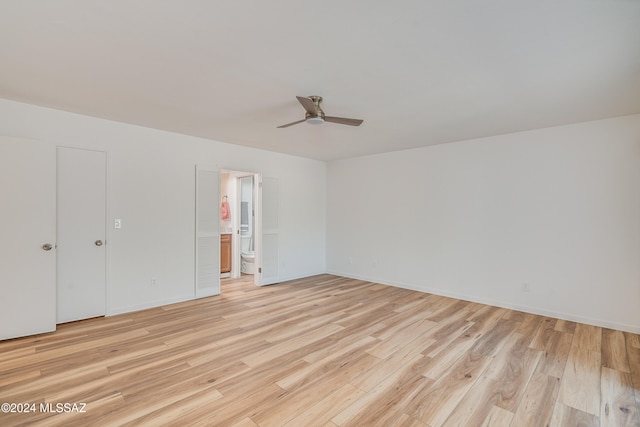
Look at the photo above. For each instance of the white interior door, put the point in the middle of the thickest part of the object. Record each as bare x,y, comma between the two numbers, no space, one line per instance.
81,222
268,269
207,276
28,222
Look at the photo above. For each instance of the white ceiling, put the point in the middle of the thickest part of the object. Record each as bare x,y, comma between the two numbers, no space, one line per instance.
418,72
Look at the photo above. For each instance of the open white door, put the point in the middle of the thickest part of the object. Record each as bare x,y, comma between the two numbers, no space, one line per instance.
207,246
268,263
28,236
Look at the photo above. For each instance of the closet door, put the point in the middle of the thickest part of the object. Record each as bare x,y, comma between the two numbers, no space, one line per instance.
28,236
81,219
270,248
207,244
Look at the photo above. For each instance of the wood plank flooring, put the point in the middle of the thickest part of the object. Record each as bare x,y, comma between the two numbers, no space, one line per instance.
322,351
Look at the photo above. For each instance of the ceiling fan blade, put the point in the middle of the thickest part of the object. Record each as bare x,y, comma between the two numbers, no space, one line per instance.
343,121
308,105
291,124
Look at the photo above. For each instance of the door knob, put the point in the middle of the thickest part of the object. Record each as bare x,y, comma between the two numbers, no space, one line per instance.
98,242
47,247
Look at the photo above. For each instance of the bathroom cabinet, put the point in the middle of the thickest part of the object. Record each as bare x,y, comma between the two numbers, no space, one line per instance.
225,253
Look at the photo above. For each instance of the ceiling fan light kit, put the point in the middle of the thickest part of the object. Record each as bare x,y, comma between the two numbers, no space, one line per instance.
315,116
315,120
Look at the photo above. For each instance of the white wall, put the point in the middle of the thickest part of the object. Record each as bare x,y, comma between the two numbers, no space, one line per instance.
151,187
556,208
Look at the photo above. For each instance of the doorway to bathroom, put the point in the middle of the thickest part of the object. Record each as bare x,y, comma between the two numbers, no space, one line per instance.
239,225
218,222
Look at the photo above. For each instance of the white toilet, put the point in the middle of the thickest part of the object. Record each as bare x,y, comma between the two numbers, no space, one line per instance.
248,262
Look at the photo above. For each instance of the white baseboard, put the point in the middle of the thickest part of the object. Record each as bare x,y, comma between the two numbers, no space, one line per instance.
147,305
488,301
161,302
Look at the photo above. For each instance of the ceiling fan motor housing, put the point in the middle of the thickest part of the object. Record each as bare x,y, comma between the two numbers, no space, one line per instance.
319,115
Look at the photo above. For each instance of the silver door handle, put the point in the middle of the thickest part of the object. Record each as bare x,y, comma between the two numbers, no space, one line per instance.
98,242
47,247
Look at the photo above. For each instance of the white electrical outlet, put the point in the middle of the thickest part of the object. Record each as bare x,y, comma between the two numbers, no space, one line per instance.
117,223
526,287
153,281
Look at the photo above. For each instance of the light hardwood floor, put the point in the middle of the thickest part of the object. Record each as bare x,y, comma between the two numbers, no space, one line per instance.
324,351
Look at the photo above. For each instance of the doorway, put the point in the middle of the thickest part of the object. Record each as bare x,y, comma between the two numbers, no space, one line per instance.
239,224
218,214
